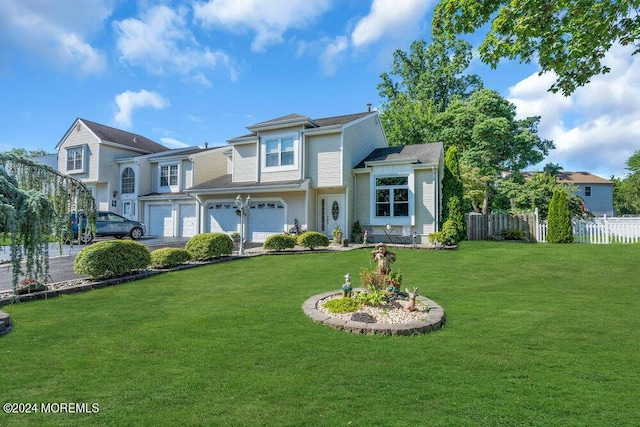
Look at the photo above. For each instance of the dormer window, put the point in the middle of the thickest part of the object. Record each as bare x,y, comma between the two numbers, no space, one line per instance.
75,159
279,151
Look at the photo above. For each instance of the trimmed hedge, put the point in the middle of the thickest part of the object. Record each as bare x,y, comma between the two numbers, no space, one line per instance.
111,258
206,246
313,239
280,242
169,257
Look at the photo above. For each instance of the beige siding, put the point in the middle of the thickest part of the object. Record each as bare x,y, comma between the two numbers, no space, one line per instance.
209,165
186,172
86,138
286,173
362,199
109,170
324,156
145,183
245,162
425,201
360,140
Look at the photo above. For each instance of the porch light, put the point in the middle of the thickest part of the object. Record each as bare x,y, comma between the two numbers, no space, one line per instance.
243,207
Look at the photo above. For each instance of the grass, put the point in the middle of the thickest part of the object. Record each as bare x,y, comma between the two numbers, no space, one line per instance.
536,335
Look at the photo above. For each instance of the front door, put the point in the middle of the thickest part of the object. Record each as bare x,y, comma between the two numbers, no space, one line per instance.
332,214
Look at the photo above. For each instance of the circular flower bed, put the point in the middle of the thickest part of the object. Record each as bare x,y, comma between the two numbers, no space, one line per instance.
384,320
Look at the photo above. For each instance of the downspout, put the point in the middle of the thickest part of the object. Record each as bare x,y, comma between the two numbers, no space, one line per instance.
437,218
200,211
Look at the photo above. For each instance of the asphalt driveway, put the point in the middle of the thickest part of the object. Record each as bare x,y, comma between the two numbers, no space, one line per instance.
61,266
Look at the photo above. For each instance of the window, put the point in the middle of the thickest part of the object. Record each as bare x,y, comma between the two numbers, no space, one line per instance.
128,181
168,175
75,159
279,152
392,196
587,191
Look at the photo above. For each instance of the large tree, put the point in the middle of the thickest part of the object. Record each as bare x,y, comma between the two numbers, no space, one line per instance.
567,37
421,83
35,202
490,139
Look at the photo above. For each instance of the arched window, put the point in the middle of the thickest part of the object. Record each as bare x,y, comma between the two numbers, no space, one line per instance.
128,181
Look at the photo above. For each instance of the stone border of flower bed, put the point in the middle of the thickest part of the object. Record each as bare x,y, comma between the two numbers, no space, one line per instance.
435,319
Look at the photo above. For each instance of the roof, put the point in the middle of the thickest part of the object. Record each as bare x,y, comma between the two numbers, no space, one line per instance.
419,153
225,182
576,178
294,119
121,137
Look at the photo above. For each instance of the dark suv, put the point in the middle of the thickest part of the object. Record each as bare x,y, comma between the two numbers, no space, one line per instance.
108,224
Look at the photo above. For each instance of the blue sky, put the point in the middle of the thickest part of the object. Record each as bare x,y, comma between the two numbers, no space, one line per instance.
188,72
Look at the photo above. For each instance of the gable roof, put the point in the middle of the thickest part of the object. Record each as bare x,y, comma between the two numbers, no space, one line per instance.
575,178
294,119
120,137
416,153
581,178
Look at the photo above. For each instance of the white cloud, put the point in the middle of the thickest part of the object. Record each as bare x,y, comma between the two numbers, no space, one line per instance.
332,54
129,101
173,143
390,18
598,128
56,31
269,20
161,41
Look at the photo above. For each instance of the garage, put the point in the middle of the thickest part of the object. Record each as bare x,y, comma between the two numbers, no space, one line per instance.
188,220
265,219
222,218
160,220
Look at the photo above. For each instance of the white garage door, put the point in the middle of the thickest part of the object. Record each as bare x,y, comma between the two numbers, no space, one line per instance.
223,218
160,220
265,219
188,221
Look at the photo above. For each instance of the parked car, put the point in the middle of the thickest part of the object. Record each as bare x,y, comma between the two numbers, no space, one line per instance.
108,224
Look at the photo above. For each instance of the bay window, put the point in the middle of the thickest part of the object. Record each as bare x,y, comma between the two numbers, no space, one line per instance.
75,159
168,175
279,152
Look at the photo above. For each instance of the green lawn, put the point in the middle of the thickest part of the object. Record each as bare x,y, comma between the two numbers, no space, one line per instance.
536,334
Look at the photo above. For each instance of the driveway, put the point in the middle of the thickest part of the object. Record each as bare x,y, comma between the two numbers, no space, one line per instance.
61,266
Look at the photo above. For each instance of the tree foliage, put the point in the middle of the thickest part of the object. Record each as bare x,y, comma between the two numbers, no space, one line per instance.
35,202
559,228
567,37
626,192
421,83
453,193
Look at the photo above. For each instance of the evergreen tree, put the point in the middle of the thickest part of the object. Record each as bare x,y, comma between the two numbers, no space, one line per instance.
559,228
453,193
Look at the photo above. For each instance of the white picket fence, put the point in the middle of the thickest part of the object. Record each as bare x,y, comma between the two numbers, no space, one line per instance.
594,231
600,230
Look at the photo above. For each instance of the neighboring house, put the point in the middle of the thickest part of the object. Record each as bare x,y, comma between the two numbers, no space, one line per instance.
320,174
158,193
596,192
88,152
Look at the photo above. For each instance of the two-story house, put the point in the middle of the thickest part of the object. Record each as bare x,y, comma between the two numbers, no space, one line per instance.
138,178
596,192
319,174
88,152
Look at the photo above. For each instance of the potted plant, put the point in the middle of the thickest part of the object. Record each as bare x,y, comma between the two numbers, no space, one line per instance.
337,234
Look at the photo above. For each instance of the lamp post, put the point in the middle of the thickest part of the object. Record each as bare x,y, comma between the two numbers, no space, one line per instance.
243,207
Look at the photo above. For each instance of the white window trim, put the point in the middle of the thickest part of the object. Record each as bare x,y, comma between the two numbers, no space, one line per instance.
168,188
83,150
135,180
279,137
392,220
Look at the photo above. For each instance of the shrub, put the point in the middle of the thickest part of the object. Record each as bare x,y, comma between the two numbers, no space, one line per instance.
437,236
280,242
450,232
342,305
169,257
512,234
313,239
371,279
559,228
111,258
206,246
373,297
